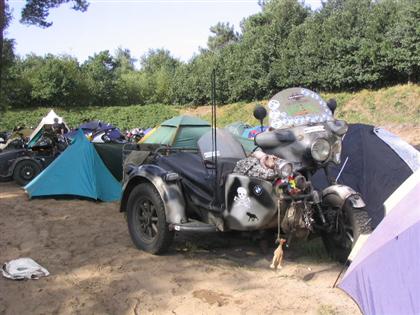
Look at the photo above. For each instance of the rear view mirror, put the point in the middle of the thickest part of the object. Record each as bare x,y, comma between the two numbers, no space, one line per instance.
260,113
332,104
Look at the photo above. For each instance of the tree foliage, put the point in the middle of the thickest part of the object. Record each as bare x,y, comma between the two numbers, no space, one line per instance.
345,45
36,12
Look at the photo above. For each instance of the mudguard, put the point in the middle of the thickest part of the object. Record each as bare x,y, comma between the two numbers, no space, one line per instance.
166,184
336,196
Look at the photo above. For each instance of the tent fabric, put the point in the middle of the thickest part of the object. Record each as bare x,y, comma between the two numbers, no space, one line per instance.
369,166
95,129
178,132
163,135
184,120
111,155
237,128
78,171
384,277
405,151
253,131
47,120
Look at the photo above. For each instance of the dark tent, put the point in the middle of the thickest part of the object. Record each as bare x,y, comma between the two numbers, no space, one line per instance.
370,166
111,155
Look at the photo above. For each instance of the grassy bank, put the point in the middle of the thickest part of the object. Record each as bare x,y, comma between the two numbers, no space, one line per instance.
395,105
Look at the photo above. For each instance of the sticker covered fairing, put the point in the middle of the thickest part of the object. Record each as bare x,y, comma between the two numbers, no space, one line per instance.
296,107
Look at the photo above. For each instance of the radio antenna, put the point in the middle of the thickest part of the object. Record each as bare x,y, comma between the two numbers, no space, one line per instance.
214,130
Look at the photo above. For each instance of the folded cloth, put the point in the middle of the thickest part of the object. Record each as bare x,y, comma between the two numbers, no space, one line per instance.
23,268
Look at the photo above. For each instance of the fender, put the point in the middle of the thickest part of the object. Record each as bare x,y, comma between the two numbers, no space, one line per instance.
336,195
12,167
168,189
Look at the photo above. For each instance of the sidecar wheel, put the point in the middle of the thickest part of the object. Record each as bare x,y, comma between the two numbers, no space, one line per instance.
25,171
147,220
351,223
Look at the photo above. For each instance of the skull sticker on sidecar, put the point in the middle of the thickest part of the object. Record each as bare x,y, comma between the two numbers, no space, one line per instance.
242,198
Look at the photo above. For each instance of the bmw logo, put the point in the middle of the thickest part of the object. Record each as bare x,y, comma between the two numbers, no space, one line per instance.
258,190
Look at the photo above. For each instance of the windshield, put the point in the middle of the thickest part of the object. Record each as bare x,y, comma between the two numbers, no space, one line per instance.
296,107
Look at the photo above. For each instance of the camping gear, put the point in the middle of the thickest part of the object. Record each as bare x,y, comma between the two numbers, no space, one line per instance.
48,120
178,190
370,166
99,132
15,140
237,128
384,277
178,132
111,155
250,133
23,268
79,171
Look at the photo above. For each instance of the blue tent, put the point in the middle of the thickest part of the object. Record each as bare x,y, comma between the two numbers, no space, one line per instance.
78,171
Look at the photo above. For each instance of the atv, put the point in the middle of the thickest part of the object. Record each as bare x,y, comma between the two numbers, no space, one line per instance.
219,188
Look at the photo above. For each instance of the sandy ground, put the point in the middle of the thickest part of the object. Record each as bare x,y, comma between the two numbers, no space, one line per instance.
95,268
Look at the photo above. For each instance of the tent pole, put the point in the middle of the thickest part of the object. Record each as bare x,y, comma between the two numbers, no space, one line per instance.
339,275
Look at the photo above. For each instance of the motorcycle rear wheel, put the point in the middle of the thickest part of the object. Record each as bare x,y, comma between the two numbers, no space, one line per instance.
350,224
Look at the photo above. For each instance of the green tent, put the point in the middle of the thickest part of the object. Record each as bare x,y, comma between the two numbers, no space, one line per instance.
178,132
78,171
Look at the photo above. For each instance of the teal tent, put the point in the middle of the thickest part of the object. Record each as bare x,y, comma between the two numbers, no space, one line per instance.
78,171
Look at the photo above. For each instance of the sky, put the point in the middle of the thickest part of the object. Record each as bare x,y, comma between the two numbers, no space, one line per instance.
180,26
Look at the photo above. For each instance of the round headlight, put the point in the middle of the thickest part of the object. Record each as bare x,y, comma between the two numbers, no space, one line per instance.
284,168
320,150
336,152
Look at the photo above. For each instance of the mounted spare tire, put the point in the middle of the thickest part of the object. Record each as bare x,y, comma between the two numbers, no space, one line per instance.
146,220
25,171
350,223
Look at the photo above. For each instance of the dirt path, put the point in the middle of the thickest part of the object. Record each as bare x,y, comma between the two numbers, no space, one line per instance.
95,268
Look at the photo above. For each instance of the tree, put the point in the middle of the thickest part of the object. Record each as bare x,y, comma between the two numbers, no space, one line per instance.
4,22
35,12
403,39
124,61
99,73
159,67
224,34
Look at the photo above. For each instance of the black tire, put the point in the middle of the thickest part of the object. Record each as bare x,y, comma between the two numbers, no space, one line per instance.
25,171
147,220
351,223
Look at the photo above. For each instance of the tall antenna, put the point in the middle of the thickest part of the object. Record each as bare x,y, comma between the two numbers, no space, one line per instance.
214,130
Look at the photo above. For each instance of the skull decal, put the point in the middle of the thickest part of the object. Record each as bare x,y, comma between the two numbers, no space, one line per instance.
242,198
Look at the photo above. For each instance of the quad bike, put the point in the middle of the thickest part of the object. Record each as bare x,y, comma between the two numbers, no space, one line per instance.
218,189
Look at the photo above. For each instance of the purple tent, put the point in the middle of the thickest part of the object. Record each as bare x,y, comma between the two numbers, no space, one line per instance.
384,277
95,128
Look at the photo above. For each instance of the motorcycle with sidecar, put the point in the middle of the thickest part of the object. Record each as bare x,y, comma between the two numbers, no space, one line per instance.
23,163
216,189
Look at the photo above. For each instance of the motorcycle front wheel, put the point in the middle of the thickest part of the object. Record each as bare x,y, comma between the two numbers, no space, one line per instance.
349,223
